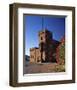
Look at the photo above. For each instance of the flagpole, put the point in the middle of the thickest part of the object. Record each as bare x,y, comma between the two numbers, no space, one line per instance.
42,22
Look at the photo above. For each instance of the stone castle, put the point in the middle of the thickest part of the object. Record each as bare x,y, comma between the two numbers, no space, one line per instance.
46,52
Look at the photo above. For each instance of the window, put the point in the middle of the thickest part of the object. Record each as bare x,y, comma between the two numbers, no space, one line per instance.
41,38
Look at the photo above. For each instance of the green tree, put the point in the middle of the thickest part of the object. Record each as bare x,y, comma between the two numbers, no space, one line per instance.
62,53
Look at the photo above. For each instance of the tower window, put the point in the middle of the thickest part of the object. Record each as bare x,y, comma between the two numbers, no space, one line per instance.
41,38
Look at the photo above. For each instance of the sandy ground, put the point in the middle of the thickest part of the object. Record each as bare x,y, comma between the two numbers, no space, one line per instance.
43,68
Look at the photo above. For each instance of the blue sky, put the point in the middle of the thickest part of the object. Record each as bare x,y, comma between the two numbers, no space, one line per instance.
33,24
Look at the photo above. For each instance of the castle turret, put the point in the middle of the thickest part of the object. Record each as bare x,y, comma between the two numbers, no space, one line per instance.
45,38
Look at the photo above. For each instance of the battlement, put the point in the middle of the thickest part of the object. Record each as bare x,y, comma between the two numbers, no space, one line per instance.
44,31
31,49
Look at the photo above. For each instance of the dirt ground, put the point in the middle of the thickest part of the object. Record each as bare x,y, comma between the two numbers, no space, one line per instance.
43,68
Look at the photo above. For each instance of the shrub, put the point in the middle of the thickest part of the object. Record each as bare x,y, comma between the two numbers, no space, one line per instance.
62,53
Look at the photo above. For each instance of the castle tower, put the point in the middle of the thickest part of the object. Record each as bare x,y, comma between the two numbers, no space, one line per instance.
45,45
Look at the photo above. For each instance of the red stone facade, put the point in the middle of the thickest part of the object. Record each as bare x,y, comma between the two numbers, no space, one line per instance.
62,41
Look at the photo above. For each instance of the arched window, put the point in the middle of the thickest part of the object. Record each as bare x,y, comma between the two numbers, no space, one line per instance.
41,38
